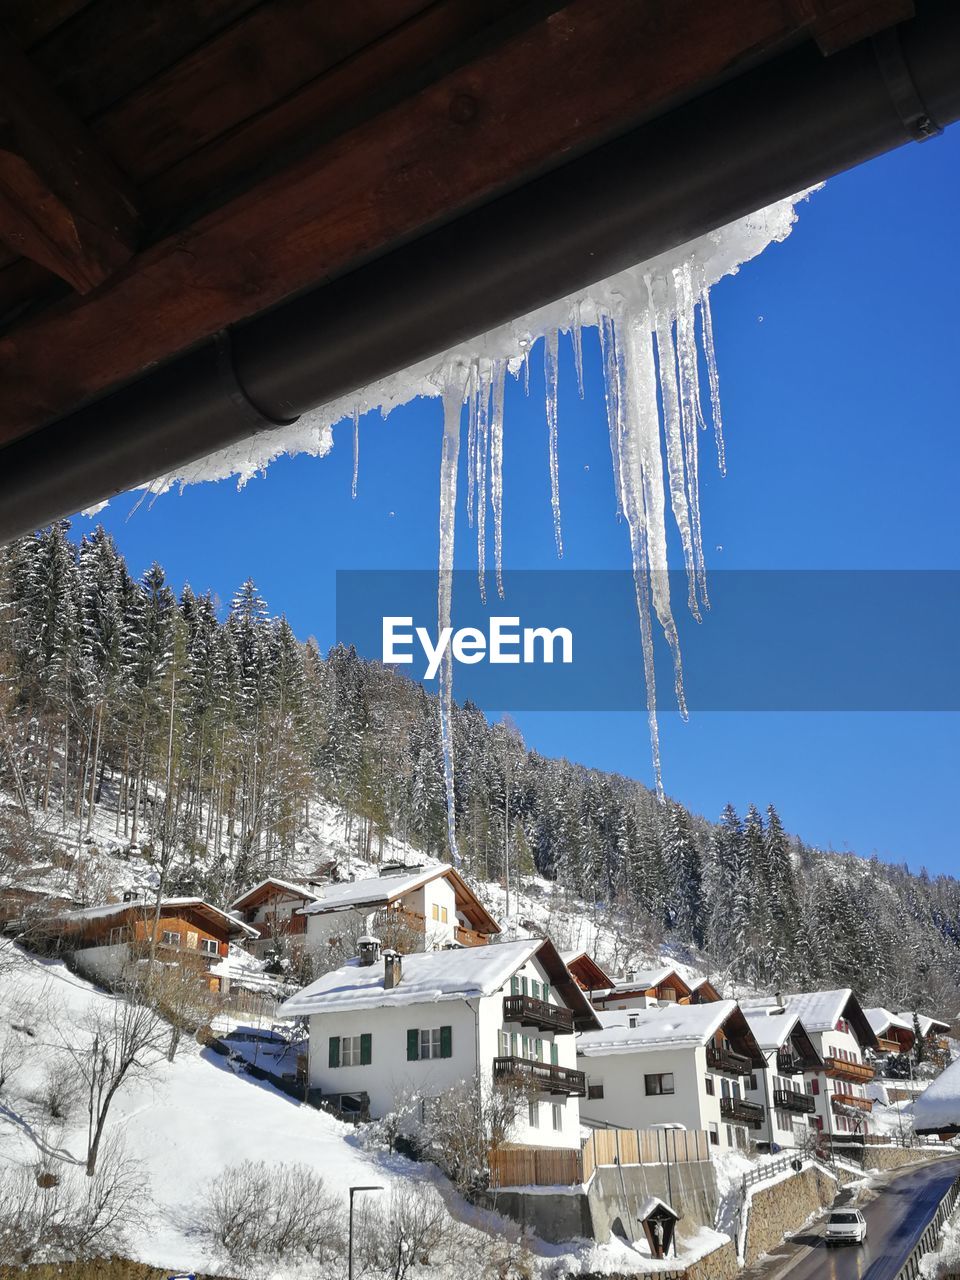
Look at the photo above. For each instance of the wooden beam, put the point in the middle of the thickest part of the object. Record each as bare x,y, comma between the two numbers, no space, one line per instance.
62,205
837,24
585,73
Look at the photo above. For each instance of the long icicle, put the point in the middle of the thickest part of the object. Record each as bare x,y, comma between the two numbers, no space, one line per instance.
496,467
691,413
454,387
628,482
483,444
471,441
551,344
673,432
641,437
356,450
709,350
611,383
576,333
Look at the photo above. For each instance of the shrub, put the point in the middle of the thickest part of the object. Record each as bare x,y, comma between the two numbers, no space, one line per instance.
260,1212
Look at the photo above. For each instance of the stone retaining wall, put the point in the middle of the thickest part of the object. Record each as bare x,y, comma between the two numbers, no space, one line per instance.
720,1265
779,1210
894,1157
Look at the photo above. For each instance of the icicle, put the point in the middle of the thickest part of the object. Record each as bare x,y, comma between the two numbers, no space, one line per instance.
550,346
641,464
471,442
673,432
483,439
496,468
710,352
526,370
611,389
577,335
630,500
691,412
454,386
356,450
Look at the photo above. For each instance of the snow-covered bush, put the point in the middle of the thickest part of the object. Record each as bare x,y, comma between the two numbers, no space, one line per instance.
59,1094
54,1213
259,1212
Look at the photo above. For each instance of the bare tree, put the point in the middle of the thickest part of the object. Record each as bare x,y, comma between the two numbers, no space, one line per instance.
126,1040
180,993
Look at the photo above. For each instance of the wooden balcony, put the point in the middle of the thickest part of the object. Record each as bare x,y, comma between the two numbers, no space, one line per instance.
888,1045
737,1111
838,1100
551,1079
728,1062
531,1012
470,937
790,1100
791,1064
852,1072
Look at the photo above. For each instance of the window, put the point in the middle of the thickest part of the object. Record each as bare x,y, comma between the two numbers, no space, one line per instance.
555,1054
503,1045
435,911
535,988
815,1087
731,1141
534,1115
118,935
557,1110
711,1088
432,1042
634,1020
170,938
350,1051
209,946
670,994
658,1084
753,1082
594,1089
444,919
714,1133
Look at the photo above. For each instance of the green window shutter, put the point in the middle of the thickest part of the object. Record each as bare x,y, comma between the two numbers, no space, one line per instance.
514,985
546,991
446,1042
555,1054
413,1044
513,1044
523,986
366,1049
334,1059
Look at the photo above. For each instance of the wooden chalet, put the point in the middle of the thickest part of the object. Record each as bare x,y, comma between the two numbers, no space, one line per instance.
704,992
216,215
642,988
274,908
586,972
189,931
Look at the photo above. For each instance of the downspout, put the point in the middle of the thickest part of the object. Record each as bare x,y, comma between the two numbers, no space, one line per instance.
770,132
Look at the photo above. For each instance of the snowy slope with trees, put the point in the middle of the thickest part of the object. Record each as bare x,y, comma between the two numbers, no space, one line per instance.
145,742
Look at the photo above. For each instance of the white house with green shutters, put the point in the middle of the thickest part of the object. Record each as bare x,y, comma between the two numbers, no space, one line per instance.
385,1027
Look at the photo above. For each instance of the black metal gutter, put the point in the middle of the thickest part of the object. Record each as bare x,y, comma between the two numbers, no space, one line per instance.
786,125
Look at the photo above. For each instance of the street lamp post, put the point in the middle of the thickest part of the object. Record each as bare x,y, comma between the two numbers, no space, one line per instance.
353,1191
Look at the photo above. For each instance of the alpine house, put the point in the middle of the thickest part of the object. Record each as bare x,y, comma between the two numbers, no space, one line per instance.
684,1065
385,1027
781,1088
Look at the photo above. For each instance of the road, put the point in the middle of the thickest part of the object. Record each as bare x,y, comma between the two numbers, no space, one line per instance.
896,1220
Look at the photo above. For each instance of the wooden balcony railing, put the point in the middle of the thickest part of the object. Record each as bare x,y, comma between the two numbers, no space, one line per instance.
550,1078
790,1100
850,1100
791,1064
853,1072
725,1060
889,1045
470,937
530,1012
737,1111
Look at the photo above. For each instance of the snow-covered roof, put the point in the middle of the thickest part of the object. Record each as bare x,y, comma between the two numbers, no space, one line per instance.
927,1024
938,1107
677,1027
107,909
428,977
821,1011
772,1030
380,891
306,892
882,1020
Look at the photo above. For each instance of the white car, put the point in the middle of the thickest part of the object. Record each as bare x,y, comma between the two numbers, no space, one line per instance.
846,1226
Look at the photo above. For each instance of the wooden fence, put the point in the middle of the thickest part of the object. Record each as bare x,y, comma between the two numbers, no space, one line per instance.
644,1146
535,1167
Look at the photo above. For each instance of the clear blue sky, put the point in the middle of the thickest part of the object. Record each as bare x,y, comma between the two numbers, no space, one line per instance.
838,355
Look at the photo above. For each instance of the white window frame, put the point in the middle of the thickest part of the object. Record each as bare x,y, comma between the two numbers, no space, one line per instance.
533,1115
556,1111
429,1043
209,946
171,937
350,1051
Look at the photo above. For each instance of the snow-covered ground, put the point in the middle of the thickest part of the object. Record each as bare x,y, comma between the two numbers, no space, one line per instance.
183,1123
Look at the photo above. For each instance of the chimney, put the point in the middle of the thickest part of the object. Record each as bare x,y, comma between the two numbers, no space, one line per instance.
392,970
368,951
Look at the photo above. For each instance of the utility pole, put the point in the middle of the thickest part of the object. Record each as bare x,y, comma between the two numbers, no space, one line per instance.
353,1192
